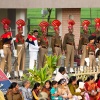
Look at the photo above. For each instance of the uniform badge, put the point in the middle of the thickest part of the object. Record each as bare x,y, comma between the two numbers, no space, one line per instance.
30,39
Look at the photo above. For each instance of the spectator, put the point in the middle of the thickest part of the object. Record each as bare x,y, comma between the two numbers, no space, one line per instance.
98,80
13,93
35,91
1,95
63,89
26,91
92,88
81,88
54,93
73,86
61,74
46,89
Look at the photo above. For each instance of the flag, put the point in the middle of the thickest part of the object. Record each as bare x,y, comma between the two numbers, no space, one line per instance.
4,82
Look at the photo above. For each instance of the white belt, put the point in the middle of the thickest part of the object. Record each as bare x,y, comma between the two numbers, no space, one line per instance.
19,45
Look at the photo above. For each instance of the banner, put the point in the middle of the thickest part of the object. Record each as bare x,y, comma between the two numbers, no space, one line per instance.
4,82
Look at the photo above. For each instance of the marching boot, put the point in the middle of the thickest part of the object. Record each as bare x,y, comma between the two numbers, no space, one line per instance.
8,75
81,68
20,74
16,74
72,70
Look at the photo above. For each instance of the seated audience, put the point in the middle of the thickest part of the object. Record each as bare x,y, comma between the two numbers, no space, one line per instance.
81,88
13,92
46,88
73,86
54,91
26,91
63,89
35,91
92,88
98,80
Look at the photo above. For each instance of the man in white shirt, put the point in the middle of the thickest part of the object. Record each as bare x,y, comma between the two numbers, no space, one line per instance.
33,49
61,74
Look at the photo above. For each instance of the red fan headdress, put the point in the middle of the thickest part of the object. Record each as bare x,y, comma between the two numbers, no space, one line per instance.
20,24
71,23
85,24
44,25
6,22
56,24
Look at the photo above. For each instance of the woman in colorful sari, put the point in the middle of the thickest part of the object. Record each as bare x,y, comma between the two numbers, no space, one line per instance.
92,88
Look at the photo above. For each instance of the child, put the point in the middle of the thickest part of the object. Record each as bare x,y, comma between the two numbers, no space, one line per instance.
35,91
53,91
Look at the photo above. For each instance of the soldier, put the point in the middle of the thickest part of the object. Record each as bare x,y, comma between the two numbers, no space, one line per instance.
56,41
6,38
90,51
69,45
83,42
43,41
97,28
20,49
33,48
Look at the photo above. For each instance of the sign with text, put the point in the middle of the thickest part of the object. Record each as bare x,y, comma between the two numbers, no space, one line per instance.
4,82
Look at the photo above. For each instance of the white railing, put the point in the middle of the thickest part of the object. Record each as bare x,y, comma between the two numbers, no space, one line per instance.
87,71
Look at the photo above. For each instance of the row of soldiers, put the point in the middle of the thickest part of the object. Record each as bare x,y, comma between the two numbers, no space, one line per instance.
38,47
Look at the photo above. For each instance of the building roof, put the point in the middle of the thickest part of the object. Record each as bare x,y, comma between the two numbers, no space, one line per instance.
49,3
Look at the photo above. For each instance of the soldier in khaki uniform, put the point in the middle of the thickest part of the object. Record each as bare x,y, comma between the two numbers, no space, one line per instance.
83,42
56,41
97,28
43,42
6,38
90,51
69,45
20,49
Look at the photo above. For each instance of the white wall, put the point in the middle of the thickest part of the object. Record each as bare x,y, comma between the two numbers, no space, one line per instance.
21,14
49,3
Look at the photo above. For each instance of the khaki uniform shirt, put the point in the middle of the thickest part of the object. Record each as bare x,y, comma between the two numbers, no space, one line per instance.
68,39
56,42
43,41
83,40
90,48
19,40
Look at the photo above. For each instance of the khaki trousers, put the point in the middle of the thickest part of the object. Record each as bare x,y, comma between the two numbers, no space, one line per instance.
92,61
21,58
58,53
7,60
2,64
83,55
69,55
41,57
